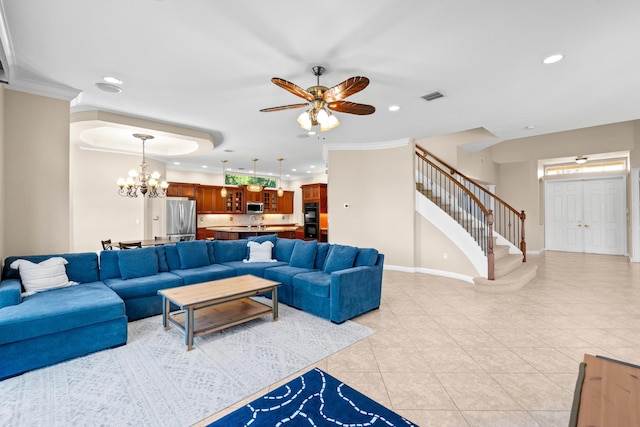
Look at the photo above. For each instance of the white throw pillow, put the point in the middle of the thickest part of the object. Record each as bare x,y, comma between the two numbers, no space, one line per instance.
260,252
49,274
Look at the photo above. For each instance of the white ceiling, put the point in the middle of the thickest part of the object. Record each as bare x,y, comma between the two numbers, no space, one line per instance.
207,65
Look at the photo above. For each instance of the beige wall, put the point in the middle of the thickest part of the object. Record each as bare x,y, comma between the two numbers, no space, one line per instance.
598,139
99,213
36,174
2,189
432,244
379,187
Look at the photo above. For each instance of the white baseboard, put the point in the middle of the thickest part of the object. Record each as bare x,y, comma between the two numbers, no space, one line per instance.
430,271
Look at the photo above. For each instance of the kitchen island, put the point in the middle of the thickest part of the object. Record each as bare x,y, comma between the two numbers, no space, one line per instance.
287,231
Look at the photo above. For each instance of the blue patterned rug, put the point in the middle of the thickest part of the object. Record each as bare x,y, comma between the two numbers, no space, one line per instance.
313,399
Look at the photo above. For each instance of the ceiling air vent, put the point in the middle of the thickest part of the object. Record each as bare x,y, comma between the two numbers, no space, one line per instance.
432,96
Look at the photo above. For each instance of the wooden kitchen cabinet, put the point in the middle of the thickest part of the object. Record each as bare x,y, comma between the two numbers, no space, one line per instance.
181,189
203,233
253,197
210,201
315,193
285,203
270,201
205,199
235,200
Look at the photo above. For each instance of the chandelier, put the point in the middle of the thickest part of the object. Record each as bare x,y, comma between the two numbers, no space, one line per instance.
148,184
254,187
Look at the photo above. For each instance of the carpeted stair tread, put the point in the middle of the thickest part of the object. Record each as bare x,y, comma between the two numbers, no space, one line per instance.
500,251
507,264
513,281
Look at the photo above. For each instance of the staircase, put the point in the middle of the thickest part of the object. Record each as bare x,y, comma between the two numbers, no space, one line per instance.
511,273
471,206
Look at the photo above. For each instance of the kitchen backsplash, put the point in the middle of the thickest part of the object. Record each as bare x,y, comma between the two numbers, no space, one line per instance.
214,220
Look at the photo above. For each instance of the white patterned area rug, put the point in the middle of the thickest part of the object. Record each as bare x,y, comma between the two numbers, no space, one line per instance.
155,381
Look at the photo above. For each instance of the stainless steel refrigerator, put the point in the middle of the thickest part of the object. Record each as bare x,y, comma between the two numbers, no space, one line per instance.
181,219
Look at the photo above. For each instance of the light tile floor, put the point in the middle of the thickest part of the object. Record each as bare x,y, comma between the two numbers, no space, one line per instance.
443,354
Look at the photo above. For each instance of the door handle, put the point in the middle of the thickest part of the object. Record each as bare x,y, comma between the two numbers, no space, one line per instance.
586,226
579,225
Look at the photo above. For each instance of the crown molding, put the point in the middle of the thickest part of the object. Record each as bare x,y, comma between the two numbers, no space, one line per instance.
50,90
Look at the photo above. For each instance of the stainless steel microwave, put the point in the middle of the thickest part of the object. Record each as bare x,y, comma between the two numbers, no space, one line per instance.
255,208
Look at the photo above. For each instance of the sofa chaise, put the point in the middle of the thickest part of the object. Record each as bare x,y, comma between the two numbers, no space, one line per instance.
60,324
336,282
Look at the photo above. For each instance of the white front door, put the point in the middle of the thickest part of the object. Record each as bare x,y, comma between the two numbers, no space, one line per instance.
586,216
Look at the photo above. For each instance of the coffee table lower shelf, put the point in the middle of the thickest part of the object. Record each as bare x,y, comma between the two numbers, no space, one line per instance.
221,316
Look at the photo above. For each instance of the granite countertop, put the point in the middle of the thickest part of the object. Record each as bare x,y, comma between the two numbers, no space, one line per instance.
245,229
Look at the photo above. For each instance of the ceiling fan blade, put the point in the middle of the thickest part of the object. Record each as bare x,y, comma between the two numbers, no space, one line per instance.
293,88
351,108
346,88
283,107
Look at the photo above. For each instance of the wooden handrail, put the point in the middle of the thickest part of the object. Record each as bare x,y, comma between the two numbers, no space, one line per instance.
454,171
460,186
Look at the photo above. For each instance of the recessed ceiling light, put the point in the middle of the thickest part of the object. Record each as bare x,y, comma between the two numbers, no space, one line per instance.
270,173
113,80
176,163
204,166
552,59
312,166
394,108
287,175
529,127
311,132
293,170
308,171
108,87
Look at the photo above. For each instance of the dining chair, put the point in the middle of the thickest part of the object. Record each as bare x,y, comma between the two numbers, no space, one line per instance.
130,245
106,244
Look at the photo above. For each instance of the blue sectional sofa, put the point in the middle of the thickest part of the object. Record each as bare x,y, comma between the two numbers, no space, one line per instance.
336,282
60,324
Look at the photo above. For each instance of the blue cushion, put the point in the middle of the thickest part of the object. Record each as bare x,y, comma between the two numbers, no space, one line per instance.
137,263
264,238
230,250
141,287
162,259
211,251
366,257
82,267
205,274
304,254
109,268
193,254
173,259
284,248
321,255
340,257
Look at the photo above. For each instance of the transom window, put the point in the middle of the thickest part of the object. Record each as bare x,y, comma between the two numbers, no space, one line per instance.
232,179
610,165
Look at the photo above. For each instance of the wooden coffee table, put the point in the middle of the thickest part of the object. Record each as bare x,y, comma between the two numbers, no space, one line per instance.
212,306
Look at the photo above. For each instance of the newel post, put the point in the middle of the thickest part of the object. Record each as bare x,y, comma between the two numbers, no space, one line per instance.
523,243
491,268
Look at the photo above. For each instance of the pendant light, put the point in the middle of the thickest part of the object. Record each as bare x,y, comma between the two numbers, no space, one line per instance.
223,190
254,187
280,190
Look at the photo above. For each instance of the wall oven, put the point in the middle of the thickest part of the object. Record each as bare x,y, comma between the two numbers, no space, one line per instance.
311,221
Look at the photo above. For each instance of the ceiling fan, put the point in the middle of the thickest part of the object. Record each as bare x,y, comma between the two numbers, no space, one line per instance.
321,99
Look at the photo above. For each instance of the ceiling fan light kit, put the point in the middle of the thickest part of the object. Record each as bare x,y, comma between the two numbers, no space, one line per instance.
322,100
